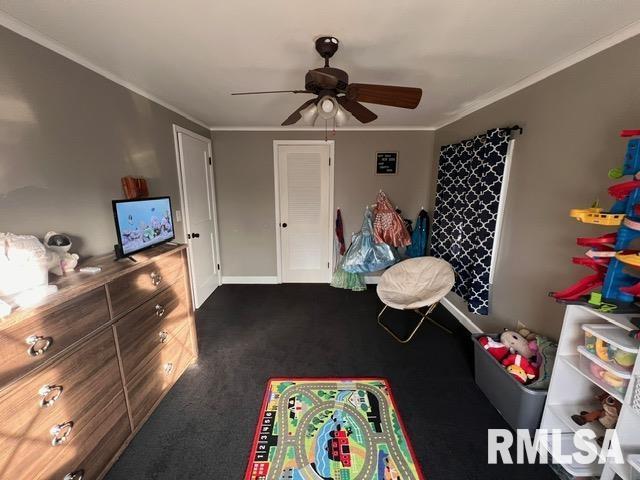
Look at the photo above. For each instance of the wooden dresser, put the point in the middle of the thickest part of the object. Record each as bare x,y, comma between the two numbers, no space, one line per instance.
81,373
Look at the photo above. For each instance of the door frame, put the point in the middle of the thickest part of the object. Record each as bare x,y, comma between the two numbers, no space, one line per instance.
276,182
184,204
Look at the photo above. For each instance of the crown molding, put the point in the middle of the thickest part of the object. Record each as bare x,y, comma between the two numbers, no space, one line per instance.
590,50
631,30
32,34
322,129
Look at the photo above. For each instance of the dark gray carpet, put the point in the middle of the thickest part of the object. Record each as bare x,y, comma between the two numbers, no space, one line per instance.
247,333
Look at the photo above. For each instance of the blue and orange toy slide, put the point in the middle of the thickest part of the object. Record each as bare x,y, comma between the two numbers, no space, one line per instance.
614,263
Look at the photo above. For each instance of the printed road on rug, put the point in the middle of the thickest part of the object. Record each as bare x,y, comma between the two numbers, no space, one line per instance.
333,428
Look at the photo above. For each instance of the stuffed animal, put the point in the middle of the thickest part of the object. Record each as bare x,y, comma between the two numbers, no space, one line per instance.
520,368
496,349
528,334
607,415
516,343
536,357
59,259
611,408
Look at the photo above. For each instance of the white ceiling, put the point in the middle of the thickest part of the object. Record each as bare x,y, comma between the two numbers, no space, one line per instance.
191,54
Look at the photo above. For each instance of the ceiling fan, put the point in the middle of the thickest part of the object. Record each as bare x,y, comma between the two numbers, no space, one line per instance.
336,98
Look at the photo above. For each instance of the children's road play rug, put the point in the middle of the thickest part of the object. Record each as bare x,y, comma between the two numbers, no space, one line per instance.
330,428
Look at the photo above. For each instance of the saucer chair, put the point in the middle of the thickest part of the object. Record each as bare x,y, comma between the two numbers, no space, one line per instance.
415,284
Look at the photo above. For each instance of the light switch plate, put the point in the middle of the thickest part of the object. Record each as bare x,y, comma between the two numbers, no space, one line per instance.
178,216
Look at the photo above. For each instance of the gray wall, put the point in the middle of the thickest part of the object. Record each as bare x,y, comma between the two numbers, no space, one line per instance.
67,136
571,123
245,189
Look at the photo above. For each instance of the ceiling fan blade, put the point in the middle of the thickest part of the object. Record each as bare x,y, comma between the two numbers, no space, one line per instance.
272,91
324,79
295,116
403,97
362,113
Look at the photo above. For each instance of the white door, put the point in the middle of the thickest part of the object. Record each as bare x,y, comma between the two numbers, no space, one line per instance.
197,187
304,184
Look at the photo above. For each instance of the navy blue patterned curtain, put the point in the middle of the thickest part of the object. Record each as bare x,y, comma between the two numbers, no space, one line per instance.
464,220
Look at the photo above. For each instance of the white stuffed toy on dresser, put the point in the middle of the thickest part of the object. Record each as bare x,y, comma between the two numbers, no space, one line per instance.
59,259
23,263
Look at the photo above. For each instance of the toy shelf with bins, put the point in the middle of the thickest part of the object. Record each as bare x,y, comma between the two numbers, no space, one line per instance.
634,464
573,389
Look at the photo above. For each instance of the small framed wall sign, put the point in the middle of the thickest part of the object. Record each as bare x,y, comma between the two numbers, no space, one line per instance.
386,163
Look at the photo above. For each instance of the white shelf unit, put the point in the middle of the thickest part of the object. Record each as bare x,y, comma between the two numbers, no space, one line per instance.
572,390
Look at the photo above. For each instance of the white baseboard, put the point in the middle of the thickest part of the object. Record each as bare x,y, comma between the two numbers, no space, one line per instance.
250,280
462,317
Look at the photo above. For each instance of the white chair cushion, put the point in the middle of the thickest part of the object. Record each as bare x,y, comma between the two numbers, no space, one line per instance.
415,283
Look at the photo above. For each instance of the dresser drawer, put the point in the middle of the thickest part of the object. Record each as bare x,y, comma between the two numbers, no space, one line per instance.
145,331
132,289
159,374
80,385
27,344
89,453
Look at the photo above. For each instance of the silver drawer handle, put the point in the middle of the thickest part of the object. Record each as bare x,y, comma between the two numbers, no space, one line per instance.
39,344
168,367
50,394
60,433
159,310
156,278
77,475
163,337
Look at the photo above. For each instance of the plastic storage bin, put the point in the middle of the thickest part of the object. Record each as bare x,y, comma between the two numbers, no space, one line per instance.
611,344
520,406
611,377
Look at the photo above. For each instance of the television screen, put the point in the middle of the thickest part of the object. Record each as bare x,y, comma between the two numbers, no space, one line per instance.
143,223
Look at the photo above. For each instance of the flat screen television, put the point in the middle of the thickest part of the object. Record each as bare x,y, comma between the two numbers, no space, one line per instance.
142,223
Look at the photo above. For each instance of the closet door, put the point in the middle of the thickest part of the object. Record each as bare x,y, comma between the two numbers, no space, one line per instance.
304,176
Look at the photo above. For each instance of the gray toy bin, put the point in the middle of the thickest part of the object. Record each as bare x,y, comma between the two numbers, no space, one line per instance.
520,406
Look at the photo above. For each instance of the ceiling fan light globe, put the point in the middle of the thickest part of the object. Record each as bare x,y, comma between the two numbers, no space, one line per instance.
342,116
328,107
309,115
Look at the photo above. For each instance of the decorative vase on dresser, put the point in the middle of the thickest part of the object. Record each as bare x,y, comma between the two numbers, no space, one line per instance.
81,372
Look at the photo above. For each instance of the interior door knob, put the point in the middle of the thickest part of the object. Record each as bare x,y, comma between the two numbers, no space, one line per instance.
195,235
284,225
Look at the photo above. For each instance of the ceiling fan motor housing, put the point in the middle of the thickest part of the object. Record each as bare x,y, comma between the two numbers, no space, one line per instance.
312,85
327,46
